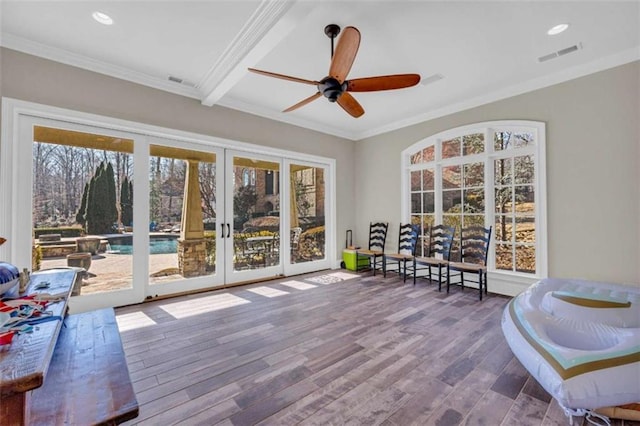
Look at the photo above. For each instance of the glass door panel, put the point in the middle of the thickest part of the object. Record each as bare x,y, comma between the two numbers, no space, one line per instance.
253,217
78,204
80,180
307,218
184,218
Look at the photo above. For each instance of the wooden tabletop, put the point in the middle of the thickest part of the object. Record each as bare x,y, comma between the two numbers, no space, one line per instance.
24,363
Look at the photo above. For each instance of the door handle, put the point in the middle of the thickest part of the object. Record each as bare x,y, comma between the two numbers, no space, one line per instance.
228,230
222,230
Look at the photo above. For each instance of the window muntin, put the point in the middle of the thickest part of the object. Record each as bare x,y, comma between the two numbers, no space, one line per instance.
498,162
423,205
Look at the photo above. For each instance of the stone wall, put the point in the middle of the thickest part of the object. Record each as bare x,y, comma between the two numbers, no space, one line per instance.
192,257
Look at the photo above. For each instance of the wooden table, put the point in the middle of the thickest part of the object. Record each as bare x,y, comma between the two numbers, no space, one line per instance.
24,363
88,380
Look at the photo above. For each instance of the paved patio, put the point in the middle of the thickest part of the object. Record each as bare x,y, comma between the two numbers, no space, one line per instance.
110,271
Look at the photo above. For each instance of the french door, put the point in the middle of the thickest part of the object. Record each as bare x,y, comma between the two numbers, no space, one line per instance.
254,224
190,211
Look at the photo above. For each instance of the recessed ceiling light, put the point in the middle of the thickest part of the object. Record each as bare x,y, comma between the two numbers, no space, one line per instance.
557,29
103,18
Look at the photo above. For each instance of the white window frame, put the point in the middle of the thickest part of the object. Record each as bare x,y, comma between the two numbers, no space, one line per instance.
500,281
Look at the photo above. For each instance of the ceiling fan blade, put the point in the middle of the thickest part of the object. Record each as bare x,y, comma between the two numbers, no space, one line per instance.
345,54
303,102
283,77
383,82
349,104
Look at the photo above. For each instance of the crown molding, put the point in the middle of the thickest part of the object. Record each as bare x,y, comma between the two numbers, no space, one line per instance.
567,74
265,28
250,108
11,41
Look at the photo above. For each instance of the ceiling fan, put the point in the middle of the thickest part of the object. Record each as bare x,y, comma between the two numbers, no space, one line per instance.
335,86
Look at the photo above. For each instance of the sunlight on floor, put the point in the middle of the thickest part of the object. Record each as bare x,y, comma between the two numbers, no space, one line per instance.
344,275
298,285
133,320
267,291
333,278
200,305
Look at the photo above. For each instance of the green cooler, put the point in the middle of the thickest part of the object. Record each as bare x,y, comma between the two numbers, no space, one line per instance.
350,261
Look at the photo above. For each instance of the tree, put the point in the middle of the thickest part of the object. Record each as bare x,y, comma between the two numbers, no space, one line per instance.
505,176
301,193
82,210
112,202
244,201
126,202
101,212
208,189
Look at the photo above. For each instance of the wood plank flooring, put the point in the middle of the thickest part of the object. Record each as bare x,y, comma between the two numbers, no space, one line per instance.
329,348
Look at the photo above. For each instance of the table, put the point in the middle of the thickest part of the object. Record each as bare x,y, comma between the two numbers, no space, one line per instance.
24,363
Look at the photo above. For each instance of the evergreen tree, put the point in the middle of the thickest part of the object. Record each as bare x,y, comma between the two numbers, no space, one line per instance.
89,216
101,211
111,202
82,210
126,204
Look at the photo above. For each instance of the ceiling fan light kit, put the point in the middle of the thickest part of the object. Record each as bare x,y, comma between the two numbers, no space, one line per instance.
335,87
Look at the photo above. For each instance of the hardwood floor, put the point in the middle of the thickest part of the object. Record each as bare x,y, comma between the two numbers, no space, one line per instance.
329,348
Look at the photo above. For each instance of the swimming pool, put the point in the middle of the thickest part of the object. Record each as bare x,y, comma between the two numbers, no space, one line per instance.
158,244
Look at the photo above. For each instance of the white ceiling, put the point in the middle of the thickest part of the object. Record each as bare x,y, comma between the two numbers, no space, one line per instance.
484,50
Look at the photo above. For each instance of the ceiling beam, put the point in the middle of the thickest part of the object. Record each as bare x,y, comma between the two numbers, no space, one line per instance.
272,21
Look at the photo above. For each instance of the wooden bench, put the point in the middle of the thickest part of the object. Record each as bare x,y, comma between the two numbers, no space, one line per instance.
88,380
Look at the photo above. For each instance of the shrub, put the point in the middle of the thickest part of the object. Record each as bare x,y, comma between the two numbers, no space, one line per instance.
36,257
64,231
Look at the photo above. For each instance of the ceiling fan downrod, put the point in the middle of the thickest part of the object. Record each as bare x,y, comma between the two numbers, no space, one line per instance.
332,31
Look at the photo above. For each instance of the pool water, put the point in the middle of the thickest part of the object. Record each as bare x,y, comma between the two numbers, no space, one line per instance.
156,246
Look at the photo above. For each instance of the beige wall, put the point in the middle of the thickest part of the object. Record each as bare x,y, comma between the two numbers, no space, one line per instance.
593,182
38,80
593,153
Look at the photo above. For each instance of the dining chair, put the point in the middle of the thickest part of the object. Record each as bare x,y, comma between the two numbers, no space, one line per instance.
474,249
438,255
407,238
377,239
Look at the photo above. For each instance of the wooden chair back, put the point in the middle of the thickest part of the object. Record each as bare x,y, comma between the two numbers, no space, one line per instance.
474,244
378,235
407,239
440,241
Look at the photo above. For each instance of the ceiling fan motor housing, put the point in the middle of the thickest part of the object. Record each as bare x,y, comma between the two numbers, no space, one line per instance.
331,88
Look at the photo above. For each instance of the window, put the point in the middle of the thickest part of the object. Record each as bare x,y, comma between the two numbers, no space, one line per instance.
488,174
268,183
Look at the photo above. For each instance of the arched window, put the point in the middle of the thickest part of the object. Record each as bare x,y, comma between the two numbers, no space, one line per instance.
246,177
489,174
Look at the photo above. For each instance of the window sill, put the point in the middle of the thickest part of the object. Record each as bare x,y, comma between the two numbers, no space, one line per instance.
509,283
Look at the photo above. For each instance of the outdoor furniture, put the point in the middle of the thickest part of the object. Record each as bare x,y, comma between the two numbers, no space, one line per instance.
88,244
377,238
79,260
440,242
474,248
407,239
295,240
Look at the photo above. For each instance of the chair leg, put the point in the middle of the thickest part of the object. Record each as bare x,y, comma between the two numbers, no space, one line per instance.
415,271
480,284
462,280
439,277
384,267
448,279
485,283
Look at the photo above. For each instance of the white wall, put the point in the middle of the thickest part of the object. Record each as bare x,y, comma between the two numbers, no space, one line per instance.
34,79
593,179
